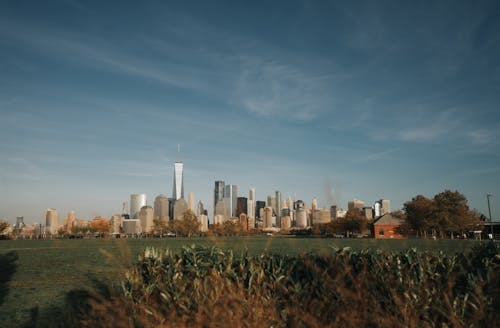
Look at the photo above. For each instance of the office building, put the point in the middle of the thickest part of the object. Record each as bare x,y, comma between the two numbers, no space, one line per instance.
161,208
286,223
230,199
259,206
355,204
191,201
180,208
367,212
69,221
314,204
116,224
333,212
178,189
268,217
146,219
131,226
251,203
271,201
203,218
51,221
200,210
137,201
277,208
241,206
218,193
19,223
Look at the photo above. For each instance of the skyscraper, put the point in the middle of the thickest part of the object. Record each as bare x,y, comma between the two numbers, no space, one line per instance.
161,208
241,206
230,197
251,202
178,190
191,201
277,208
218,193
51,220
137,201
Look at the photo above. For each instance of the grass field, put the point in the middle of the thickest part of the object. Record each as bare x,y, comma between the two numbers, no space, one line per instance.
45,270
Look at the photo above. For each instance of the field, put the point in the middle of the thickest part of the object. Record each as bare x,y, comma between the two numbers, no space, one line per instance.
44,271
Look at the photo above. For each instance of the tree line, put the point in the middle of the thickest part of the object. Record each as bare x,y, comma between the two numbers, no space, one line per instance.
446,214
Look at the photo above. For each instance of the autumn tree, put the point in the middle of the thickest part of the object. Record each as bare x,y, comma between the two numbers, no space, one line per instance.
447,212
353,222
419,214
451,212
188,226
100,226
160,227
3,227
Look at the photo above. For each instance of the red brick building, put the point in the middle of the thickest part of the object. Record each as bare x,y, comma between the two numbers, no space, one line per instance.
388,227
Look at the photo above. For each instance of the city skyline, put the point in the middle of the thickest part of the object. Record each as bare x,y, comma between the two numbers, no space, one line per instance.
334,101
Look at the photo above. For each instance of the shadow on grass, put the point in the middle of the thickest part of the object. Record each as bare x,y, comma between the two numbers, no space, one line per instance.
8,267
78,307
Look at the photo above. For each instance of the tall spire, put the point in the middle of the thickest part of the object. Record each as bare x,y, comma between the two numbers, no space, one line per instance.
178,188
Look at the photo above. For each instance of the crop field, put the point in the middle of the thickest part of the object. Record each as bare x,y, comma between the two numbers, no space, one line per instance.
36,275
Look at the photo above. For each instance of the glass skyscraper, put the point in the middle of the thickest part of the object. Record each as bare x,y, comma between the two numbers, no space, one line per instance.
178,191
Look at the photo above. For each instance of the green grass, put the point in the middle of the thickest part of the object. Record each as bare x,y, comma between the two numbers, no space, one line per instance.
47,269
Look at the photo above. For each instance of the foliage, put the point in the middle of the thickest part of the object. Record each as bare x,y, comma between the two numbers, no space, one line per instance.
447,212
228,228
353,222
3,226
188,226
207,286
43,283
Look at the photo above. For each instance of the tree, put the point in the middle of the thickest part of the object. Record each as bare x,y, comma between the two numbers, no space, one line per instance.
160,227
100,226
451,212
447,212
353,221
3,228
188,226
419,214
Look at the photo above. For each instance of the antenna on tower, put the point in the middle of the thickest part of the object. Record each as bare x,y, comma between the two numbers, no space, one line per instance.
179,152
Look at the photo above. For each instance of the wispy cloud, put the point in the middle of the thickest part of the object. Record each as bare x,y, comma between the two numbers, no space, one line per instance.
481,136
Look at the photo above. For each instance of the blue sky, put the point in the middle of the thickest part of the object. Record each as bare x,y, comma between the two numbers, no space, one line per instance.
329,99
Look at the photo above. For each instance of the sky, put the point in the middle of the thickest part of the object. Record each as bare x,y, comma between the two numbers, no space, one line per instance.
329,99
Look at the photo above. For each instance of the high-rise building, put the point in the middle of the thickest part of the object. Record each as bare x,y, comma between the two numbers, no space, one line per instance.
200,209
268,217
161,208
180,207
314,204
19,222
137,201
116,223
191,201
146,219
277,208
203,218
51,220
218,193
178,190
259,205
271,201
230,197
382,207
333,212
69,221
251,203
241,206
355,204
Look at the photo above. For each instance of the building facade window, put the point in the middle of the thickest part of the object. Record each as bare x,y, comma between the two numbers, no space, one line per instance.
381,232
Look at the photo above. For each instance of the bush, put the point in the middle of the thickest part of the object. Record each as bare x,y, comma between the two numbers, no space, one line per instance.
211,287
